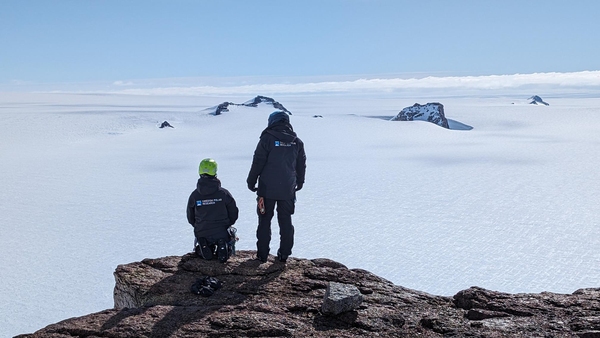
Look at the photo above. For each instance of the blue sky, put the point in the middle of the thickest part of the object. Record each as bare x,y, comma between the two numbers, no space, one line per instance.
86,41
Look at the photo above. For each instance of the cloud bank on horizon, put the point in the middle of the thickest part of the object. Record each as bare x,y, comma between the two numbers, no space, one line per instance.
584,81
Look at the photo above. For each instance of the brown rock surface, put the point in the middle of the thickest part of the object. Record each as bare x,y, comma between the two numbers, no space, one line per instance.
153,299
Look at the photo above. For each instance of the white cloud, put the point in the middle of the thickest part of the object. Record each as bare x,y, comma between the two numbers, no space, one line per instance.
123,83
559,81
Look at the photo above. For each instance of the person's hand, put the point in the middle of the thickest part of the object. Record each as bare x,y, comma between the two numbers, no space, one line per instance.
299,186
252,187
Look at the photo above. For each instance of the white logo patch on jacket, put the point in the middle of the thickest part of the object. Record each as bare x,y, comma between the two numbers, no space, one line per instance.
212,201
284,144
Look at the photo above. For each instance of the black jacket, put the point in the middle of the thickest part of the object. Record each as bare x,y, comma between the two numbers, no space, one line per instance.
279,163
211,209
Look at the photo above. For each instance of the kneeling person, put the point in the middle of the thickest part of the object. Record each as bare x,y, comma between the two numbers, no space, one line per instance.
211,209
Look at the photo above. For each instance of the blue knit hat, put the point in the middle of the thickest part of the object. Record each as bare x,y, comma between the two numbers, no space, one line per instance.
278,116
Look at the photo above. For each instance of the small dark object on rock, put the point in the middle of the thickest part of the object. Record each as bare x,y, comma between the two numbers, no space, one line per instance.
166,124
206,286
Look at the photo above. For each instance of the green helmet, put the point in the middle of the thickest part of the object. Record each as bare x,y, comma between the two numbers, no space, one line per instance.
208,166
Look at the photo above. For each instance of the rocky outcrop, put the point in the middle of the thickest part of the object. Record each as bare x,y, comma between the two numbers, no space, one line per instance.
340,298
263,99
537,100
431,112
153,299
224,107
165,124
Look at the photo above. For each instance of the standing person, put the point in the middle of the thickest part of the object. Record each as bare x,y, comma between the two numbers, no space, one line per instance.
279,165
211,210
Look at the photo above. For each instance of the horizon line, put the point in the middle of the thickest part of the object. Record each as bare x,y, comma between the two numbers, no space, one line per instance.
194,86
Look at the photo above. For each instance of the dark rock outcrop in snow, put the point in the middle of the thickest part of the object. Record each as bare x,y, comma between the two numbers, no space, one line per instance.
431,112
537,100
153,299
267,100
224,107
165,124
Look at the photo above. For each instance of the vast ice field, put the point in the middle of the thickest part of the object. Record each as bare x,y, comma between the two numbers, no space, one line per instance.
89,181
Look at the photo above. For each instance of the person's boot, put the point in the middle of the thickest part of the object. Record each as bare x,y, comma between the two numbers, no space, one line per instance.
204,250
260,258
222,252
281,257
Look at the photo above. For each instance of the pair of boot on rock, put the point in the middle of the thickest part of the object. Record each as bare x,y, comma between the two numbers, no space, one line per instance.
281,258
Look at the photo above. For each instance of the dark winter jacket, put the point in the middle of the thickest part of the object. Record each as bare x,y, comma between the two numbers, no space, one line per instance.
211,209
279,163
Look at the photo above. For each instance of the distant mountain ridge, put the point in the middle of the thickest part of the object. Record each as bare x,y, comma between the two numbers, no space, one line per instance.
431,112
537,100
224,107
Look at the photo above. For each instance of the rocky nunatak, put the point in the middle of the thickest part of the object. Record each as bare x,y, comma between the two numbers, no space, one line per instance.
431,112
153,299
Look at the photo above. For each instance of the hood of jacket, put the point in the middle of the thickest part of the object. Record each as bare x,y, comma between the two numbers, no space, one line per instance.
208,185
283,131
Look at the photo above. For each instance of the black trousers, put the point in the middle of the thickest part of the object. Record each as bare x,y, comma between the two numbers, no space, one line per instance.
285,210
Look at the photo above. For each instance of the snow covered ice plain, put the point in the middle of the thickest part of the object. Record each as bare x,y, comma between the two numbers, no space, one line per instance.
90,182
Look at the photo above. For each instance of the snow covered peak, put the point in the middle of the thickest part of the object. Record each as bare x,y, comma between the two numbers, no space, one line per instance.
224,107
536,99
263,99
431,112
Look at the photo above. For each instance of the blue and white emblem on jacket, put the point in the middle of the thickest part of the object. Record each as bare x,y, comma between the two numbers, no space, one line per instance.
284,144
211,201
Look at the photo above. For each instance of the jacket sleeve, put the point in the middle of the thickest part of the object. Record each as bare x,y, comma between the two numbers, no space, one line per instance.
232,210
300,164
191,214
258,161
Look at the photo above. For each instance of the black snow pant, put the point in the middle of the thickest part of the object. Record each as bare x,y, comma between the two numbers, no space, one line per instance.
285,210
